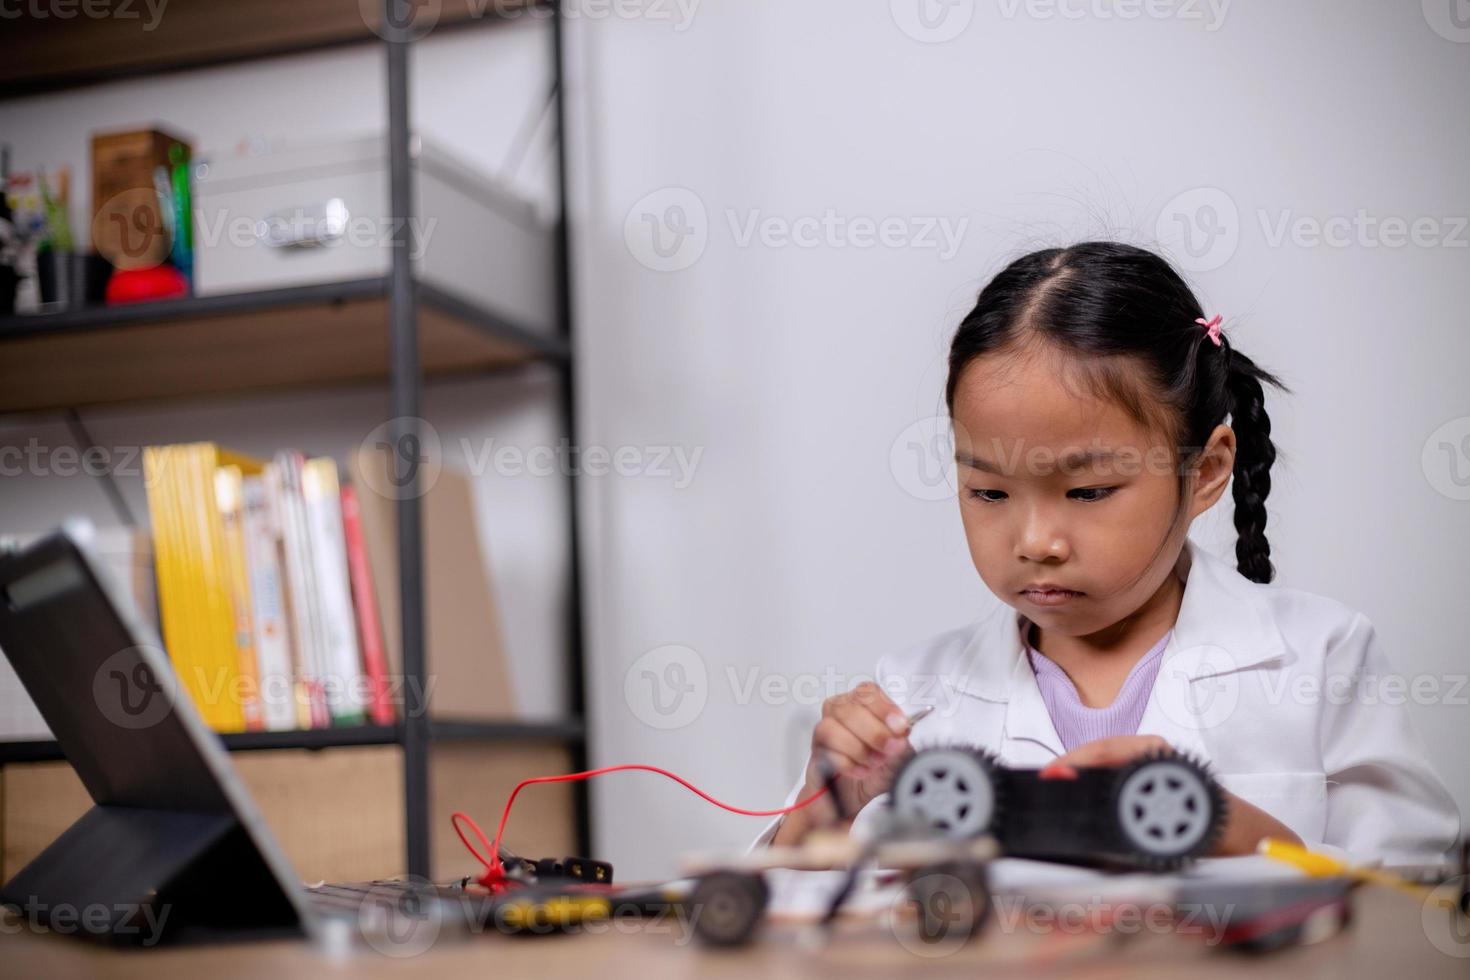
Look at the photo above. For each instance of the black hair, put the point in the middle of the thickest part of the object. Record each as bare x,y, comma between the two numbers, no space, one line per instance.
1115,308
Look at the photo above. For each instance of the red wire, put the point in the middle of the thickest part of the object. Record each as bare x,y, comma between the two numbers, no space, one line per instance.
493,867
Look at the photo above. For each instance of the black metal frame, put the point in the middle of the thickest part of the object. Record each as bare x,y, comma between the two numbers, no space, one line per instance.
440,730
576,653
287,297
404,295
405,382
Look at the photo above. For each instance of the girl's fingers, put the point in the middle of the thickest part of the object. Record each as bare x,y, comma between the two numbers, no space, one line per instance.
867,726
846,766
872,697
870,714
1105,752
834,735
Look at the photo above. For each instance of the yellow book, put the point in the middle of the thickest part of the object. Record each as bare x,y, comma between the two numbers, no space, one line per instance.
229,493
160,475
197,603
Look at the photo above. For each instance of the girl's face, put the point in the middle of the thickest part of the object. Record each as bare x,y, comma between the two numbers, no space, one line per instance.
1064,490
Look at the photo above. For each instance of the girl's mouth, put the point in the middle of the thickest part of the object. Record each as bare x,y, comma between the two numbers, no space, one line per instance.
1050,597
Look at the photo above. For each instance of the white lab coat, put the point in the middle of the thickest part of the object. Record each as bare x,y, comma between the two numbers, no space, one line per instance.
1288,696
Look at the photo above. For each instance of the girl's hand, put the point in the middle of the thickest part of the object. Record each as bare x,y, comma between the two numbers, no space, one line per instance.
1245,823
864,736
1115,751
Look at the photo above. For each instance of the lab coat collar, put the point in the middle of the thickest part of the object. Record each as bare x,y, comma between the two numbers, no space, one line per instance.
1223,626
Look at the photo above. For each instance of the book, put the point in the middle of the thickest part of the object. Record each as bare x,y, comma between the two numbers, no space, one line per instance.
365,603
229,494
198,604
269,613
284,483
341,661
465,661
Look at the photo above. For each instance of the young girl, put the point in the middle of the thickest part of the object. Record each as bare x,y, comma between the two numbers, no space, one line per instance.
1089,396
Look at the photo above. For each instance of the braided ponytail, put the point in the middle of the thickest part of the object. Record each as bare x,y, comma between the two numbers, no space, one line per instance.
1254,454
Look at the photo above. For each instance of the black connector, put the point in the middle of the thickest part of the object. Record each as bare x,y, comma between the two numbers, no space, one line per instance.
574,869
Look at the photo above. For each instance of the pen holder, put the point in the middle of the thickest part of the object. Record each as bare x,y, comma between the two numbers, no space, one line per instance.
9,279
70,280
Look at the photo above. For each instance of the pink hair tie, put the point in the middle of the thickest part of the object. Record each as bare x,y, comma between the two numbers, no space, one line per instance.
1212,327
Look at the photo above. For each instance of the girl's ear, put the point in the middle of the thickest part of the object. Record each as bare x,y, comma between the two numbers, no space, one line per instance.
1213,468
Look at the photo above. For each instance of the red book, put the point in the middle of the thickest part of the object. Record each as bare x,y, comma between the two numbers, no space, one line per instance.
365,603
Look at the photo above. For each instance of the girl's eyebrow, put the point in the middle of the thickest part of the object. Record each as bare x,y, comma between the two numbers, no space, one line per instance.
1067,462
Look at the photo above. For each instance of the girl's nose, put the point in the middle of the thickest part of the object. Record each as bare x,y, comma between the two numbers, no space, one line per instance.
1042,539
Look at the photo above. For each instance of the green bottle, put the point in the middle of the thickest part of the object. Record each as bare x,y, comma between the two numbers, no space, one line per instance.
182,252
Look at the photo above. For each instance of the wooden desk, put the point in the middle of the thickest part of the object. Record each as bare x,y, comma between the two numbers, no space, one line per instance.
1387,940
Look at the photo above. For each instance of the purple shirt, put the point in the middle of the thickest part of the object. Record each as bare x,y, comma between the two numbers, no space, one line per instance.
1075,722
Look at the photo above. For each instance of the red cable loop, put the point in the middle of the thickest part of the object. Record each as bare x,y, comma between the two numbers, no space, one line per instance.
495,872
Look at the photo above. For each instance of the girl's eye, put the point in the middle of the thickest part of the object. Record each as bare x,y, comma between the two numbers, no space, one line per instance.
1088,494
1096,493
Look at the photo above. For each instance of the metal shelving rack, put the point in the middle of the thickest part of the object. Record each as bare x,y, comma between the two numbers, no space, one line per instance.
405,298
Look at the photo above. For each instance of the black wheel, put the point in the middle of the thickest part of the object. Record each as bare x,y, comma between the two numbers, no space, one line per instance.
727,906
952,790
953,901
1168,810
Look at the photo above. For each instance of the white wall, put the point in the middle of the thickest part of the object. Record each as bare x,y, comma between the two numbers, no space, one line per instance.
797,549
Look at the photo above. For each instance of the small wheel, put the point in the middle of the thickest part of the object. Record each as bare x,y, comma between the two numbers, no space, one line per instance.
951,790
1168,809
953,902
727,907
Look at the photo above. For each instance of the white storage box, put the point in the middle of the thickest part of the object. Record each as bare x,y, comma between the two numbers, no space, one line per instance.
318,214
